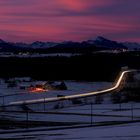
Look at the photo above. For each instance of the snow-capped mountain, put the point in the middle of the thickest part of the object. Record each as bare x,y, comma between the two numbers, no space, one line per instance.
36,45
108,44
20,44
98,39
132,45
39,44
7,46
98,44
2,41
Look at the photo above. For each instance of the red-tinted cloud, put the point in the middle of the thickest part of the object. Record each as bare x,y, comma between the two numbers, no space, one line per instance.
58,20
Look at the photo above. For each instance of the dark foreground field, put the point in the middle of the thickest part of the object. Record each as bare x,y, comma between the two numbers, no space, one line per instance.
99,67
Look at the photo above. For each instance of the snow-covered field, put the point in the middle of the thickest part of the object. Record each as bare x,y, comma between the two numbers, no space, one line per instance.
73,88
27,55
81,114
102,113
114,132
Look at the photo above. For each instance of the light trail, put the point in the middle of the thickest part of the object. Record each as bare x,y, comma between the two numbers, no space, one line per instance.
116,86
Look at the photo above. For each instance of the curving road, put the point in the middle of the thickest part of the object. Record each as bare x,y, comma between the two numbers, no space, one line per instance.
115,87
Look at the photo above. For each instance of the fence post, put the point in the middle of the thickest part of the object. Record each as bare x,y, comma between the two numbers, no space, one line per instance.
27,119
91,113
132,111
3,101
120,106
44,105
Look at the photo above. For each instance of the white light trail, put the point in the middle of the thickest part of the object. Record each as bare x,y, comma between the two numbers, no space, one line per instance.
76,95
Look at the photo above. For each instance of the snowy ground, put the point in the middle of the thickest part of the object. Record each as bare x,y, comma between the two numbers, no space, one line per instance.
114,132
73,88
81,114
106,112
24,55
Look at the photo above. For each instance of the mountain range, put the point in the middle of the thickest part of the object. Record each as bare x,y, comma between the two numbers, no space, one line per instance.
100,43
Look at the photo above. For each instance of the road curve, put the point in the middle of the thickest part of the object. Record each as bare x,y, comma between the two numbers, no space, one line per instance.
115,87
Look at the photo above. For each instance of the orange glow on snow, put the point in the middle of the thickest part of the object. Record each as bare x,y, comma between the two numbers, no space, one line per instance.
35,90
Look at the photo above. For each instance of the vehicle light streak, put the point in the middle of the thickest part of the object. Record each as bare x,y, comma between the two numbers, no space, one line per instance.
116,86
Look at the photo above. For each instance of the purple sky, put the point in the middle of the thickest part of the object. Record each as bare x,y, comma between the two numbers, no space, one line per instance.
59,20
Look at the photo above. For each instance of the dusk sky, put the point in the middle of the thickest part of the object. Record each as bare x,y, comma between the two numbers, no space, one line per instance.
59,20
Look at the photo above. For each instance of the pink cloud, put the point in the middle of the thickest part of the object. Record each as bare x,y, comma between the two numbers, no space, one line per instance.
57,20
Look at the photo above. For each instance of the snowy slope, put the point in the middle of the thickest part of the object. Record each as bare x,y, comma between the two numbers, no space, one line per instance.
117,132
